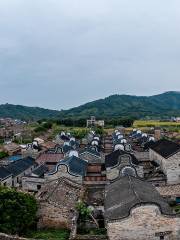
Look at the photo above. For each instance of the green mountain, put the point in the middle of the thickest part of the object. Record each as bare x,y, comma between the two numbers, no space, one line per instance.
162,105
26,113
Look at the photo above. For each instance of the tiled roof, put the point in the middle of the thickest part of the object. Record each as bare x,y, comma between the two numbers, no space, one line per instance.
49,157
67,148
128,192
12,147
165,148
76,166
4,173
148,145
112,159
20,166
91,151
39,171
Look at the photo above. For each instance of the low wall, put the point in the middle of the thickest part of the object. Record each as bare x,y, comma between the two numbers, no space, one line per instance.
9,237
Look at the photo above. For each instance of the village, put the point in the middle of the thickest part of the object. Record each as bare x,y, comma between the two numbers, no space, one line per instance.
123,184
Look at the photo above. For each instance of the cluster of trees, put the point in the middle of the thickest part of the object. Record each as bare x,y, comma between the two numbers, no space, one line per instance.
43,126
3,155
17,211
125,122
73,122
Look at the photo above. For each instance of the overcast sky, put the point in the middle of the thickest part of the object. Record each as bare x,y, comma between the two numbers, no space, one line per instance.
62,53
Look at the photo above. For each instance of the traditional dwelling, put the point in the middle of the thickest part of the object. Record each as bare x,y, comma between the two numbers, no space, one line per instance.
20,169
118,162
167,156
91,155
12,148
73,168
35,180
135,210
95,170
49,159
5,177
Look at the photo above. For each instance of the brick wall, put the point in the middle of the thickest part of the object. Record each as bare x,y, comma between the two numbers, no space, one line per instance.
145,222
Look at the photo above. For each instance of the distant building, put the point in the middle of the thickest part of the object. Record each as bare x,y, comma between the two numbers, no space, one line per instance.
93,122
12,148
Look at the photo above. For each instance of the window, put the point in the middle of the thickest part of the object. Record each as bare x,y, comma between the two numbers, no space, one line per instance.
38,187
161,237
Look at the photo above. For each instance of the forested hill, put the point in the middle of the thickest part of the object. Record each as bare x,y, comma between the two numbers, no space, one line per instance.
162,105
26,113
166,104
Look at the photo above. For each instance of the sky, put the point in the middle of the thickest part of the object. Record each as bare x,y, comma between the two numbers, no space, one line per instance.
60,54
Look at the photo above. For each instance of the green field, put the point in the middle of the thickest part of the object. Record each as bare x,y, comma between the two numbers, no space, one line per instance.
152,123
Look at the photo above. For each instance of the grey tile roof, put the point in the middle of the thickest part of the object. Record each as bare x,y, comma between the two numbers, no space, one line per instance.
165,148
128,192
39,171
76,166
4,173
112,159
20,166
67,148
91,151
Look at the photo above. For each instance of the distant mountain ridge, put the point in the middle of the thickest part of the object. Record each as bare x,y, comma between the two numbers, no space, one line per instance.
163,105
26,113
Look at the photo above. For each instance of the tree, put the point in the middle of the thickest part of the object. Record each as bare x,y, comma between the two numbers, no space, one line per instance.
3,155
17,211
84,211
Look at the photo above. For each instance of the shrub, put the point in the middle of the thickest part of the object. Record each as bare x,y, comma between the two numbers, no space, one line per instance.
17,211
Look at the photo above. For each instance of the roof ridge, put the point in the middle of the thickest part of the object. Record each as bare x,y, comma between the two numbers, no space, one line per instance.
132,188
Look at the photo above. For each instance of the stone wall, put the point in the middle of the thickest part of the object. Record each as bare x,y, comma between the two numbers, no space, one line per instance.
172,191
32,184
57,201
170,166
9,237
145,222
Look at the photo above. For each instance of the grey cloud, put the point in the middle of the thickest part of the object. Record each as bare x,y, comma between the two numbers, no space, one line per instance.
62,53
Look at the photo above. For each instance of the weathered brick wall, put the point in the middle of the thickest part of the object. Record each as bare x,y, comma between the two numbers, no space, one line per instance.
57,204
112,173
169,191
145,222
32,183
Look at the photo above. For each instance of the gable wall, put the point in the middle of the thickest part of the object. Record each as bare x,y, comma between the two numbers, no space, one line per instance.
145,222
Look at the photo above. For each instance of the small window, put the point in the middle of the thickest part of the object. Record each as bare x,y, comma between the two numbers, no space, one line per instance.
161,237
38,187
